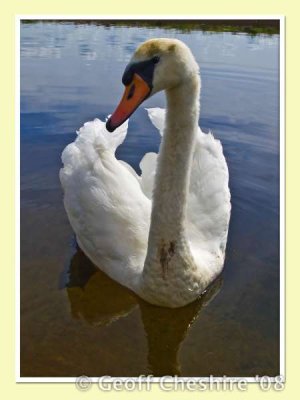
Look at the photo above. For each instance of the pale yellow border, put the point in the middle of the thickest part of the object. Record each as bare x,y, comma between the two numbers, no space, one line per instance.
7,121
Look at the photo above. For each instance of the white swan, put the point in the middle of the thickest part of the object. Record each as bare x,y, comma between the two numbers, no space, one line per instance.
162,234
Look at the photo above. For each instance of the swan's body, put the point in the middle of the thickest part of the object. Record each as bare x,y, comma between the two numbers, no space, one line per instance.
164,240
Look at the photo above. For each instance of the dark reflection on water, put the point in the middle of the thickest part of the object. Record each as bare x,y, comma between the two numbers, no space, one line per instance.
90,292
91,325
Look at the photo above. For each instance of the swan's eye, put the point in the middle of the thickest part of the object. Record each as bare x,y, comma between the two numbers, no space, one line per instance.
155,59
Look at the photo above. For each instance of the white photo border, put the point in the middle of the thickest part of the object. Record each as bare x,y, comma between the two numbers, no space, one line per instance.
282,157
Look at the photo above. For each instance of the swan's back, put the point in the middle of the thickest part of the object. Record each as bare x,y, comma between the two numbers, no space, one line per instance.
109,205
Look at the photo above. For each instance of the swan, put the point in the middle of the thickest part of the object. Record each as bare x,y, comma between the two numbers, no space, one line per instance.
162,234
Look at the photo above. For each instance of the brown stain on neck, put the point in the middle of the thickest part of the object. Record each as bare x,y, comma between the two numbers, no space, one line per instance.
166,252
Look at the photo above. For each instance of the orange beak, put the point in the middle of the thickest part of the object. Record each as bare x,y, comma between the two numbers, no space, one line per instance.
135,93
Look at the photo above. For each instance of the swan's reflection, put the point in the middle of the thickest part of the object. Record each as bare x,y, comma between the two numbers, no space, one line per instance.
100,301
94,296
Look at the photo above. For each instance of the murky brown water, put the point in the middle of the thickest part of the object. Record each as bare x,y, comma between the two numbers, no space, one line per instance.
74,319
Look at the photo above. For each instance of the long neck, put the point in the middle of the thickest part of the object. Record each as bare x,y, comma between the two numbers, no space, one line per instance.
174,162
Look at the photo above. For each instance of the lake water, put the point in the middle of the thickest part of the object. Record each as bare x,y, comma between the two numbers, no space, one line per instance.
74,319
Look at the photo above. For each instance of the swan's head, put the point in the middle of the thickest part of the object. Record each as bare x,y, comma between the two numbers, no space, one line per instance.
157,64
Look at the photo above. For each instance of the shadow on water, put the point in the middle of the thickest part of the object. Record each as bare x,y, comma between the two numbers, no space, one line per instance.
101,301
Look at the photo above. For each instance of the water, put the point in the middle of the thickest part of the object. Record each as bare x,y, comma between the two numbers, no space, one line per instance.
74,319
